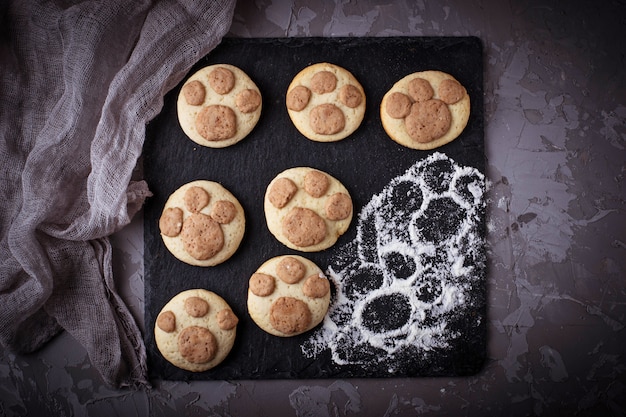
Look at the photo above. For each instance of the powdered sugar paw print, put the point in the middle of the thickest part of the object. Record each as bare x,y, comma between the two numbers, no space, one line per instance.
407,286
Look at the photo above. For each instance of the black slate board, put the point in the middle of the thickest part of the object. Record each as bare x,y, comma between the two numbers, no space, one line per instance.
364,162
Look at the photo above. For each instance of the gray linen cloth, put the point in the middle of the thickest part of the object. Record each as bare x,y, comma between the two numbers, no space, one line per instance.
79,80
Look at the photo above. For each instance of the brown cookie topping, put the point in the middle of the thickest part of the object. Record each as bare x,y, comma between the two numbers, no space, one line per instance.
290,315
398,105
350,96
450,91
166,321
248,100
303,227
428,120
196,198
323,82
223,211
221,80
298,98
420,89
194,93
197,344
281,192
261,284
226,319
171,221
327,119
290,270
202,236
196,306
316,286
338,206
216,122
316,183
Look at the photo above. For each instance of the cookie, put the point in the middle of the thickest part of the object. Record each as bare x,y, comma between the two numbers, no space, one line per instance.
425,110
218,106
307,209
288,295
325,102
195,330
202,223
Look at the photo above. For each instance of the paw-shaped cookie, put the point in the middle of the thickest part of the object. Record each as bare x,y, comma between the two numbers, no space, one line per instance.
202,223
288,295
325,102
218,106
307,209
425,110
195,330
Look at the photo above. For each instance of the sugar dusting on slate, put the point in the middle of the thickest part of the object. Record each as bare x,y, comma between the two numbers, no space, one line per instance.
409,275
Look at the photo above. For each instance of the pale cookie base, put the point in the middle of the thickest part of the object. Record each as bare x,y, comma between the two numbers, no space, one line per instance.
354,116
245,121
274,216
259,307
395,127
167,343
233,231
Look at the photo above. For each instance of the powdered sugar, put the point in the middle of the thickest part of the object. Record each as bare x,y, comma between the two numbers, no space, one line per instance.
407,279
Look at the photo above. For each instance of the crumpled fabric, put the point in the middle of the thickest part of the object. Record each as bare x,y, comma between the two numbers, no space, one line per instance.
79,81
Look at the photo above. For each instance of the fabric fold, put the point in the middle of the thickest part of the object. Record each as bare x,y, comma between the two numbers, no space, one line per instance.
79,81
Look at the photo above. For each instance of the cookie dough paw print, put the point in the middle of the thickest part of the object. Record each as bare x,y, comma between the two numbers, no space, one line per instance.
325,102
288,295
307,209
425,110
218,106
202,223
195,330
